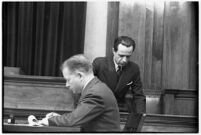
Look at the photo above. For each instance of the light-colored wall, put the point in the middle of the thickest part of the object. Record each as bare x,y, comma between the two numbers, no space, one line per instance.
95,30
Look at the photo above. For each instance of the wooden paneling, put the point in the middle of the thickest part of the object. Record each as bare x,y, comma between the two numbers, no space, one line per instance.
161,123
167,41
149,25
168,124
180,102
178,28
157,48
112,26
28,92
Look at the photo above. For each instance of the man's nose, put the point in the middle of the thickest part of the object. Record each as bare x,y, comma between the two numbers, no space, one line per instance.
125,59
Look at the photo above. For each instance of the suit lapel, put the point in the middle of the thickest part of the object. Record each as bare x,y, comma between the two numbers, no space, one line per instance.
111,73
111,65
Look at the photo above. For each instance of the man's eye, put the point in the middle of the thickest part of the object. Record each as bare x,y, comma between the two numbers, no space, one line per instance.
121,55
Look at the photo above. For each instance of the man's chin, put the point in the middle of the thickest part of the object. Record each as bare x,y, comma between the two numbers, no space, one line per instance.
75,92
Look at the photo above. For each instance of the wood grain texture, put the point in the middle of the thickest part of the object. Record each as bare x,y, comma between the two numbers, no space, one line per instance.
167,41
168,124
112,26
26,94
180,102
163,123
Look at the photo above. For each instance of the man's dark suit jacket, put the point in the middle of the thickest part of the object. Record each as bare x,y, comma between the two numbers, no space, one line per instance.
97,110
104,69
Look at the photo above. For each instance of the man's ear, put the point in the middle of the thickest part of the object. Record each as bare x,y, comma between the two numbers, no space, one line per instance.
80,74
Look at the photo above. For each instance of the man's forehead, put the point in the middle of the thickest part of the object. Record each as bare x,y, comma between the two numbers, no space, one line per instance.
123,50
66,70
123,47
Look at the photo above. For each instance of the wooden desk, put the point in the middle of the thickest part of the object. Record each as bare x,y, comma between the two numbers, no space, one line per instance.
24,128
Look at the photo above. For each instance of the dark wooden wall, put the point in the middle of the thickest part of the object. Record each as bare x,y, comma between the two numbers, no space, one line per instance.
166,34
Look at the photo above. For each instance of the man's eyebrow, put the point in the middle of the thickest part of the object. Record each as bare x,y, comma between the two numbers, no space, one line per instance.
124,55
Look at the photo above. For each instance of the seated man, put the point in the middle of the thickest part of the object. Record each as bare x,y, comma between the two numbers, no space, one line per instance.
97,109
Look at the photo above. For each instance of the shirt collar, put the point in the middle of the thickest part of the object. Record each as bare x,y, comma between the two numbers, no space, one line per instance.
115,64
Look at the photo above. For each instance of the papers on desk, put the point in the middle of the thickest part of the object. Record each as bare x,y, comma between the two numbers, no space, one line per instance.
33,121
44,122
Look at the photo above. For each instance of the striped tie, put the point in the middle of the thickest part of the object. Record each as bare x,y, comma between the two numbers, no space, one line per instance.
119,71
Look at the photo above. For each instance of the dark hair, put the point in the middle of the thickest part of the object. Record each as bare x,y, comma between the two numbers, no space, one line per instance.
77,62
124,40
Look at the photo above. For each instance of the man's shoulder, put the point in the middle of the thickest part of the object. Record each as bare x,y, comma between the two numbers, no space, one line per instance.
100,59
133,65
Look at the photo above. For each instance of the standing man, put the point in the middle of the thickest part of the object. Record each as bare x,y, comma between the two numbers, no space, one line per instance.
122,75
97,109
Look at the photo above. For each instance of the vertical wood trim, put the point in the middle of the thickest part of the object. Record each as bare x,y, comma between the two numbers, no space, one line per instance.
157,48
112,26
193,50
149,25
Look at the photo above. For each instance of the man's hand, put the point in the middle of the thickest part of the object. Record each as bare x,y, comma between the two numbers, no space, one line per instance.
52,114
44,122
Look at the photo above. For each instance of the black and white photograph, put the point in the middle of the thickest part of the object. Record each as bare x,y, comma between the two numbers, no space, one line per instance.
127,66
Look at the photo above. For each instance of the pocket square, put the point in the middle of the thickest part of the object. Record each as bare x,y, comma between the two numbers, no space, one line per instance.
130,83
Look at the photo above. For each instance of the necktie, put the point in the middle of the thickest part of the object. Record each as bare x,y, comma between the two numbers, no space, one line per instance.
119,70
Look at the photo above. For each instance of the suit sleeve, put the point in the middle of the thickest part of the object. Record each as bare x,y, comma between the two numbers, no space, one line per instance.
139,99
89,108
